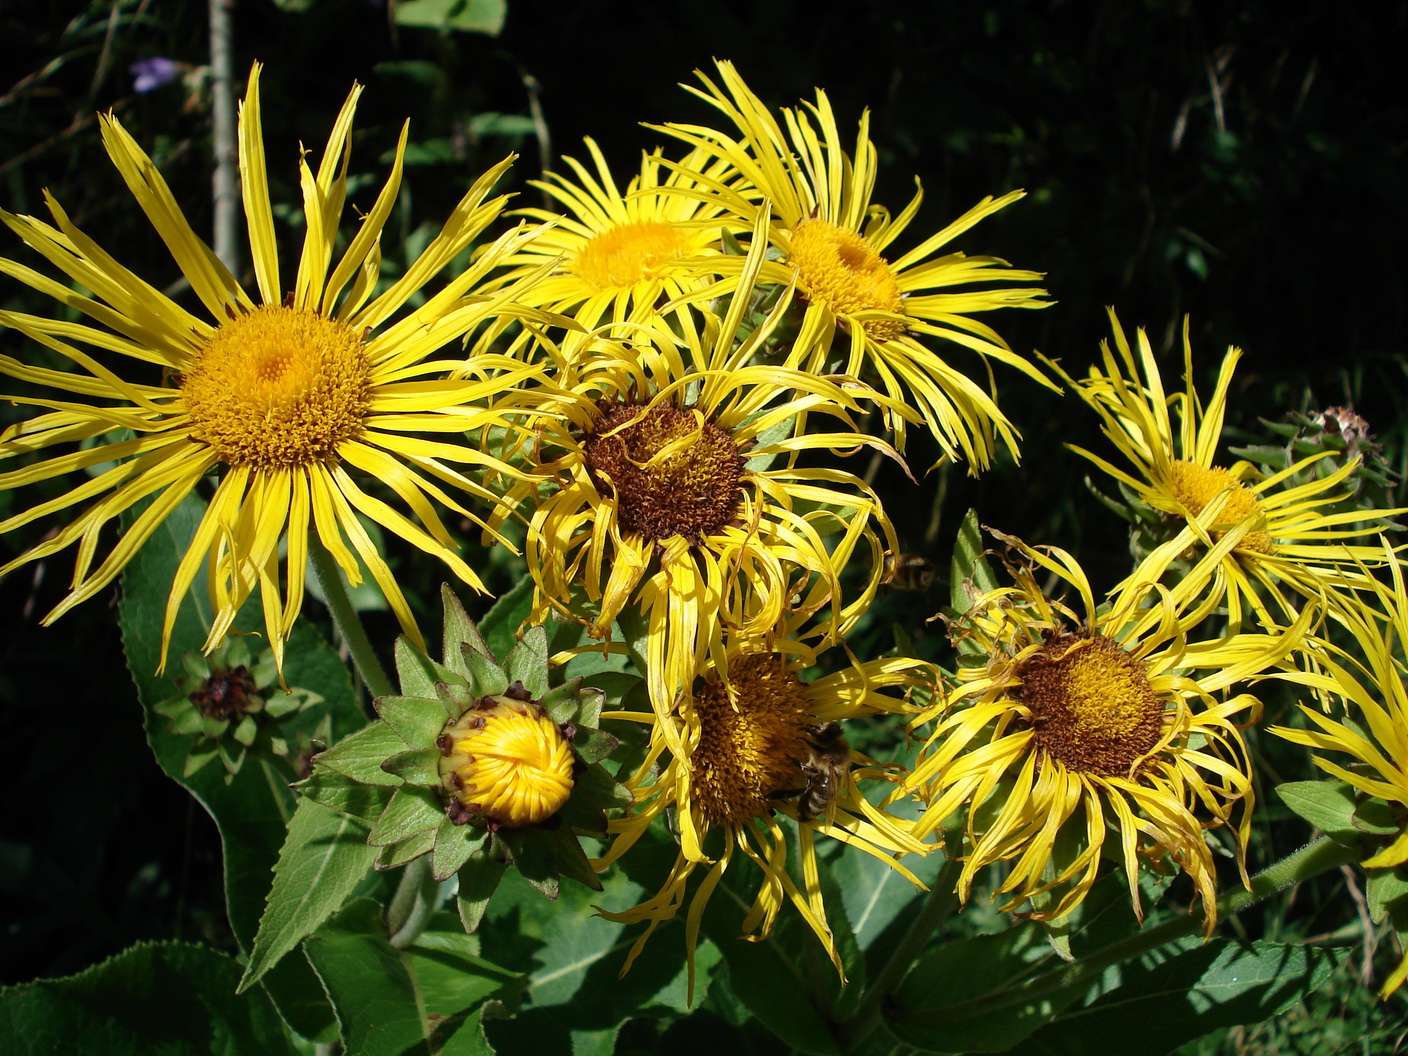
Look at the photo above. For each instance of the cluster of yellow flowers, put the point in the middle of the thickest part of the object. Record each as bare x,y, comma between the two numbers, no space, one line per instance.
662,381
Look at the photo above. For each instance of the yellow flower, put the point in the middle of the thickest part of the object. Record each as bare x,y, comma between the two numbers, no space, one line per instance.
833,242
674,489
283,396
612,253
1286,535
1074,723
757,741
1374,733
506,761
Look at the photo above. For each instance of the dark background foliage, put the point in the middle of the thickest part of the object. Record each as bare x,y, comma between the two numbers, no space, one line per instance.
1239,163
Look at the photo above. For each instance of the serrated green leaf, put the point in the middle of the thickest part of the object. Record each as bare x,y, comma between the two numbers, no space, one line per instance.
458,630
412,847
416,720
593,745
341,793
453,846
411,810
1387,890
1328,805
489,678
969,574
322,861
416,672
1377,818
528,662
360,755
561,702
176,998
370,985
571,861
468,1038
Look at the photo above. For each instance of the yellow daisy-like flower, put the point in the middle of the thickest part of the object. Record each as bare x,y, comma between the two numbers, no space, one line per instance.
1079,722
1374,733
757,741
674,488
834,240
282,396
1287,536
614,253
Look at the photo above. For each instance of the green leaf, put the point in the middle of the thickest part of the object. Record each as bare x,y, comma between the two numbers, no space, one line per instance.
252,808
450,974
360,755
1387,890
528,663
453,846
943,1005
479,879
420,767
1178,998
468,1039
411,810
500,626
341,793
370,985
1328,805
172,999
970,574
321,864
417,673
464,16
416,720
458,630
412,847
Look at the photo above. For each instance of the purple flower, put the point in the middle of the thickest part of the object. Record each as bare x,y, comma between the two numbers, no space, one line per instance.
153,73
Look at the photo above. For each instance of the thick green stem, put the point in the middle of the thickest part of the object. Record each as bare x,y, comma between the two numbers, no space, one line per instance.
935,910
349,625
415,899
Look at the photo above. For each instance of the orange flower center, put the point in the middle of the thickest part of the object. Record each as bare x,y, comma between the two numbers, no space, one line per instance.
1195,486
630,253
836,267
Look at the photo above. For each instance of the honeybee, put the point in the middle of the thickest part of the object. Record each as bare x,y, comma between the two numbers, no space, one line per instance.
908,572
826,766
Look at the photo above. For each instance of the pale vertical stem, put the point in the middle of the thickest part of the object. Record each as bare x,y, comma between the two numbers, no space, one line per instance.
225,191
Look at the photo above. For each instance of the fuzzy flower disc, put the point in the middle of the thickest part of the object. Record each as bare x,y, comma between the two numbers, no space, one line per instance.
752,739
1091,703
838,268
673,473
631,253
1196,486
278,388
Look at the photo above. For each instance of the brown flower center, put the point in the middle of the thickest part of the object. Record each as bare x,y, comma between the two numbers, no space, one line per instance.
672,472
752,739
1091,704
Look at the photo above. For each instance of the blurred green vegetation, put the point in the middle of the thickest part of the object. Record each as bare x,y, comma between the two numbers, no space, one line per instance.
1242,164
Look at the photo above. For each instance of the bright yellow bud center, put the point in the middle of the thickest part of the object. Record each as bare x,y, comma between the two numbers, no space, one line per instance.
277,388
629,254
1195,486
838,269
505,761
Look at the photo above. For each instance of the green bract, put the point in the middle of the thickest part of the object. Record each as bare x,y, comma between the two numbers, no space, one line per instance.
390,773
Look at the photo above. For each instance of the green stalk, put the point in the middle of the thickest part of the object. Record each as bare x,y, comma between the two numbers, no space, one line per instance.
348,623
415,899
935,910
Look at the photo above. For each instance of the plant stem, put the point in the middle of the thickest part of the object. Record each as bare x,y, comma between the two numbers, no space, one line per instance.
225,187
932,914
349,626
415,899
